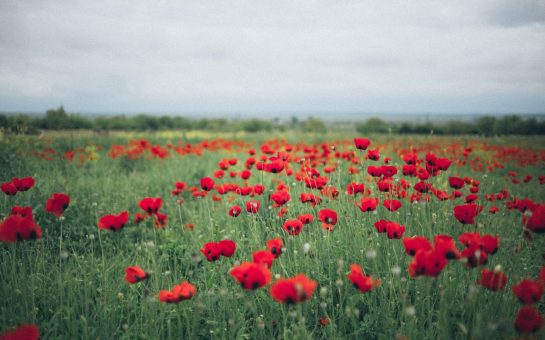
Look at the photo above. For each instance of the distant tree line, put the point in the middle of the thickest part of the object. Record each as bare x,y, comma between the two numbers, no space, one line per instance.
59,119
486,125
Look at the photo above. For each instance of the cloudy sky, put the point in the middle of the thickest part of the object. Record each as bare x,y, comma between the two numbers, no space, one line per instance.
273,56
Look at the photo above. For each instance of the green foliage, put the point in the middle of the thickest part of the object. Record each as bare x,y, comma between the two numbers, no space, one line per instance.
314,125
372,125
59,119
70,282
256,125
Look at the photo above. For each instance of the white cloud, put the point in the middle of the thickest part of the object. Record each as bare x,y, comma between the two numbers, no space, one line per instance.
272,56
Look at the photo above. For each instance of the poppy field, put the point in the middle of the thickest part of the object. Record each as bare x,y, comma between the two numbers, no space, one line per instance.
144,236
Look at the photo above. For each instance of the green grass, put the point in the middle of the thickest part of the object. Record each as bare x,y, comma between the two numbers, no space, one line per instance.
70,282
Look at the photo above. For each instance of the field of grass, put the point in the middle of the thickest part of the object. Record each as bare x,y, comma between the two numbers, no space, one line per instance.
70,282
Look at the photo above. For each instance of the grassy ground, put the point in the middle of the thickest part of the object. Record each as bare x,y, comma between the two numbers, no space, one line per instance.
70,282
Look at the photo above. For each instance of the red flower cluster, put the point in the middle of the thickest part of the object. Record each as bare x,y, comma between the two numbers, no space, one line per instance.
275,246
394,230
368,204
293,290
529,292
214,250
57,204
429,259
251,275
135,274
181,292
17,185
536,221
114,222
466,213
293,227
23,332
19,226
493,280
328,218
151,206
361,281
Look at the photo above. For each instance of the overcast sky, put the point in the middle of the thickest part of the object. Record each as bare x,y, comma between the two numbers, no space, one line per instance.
273,56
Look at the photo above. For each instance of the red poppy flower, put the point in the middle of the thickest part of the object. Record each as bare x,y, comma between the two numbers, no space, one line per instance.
536,221
160,220
468,239
466,213
310,198
355,188
408,170
489,243
471,198
180,187
375,171
445,246
113,222
423,187
252,206
139,217
361,281
392,205
259,189
324,321
227,247
207,183
9,188
151,205
293,290
429,263
305,218
368,204
414,244
275,246
19,226
474,256
217,174
492,280
381,226
135,274
528,291
212,251
280,198
274,167
245,174
362,143
410,158
251,275
23,332
373,155
328,218
263,257
234,211
57,204
456,182
293,227
528,320
394,230
21,211
23,184
183,291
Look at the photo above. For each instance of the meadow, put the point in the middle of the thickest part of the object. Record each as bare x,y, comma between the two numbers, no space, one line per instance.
477,204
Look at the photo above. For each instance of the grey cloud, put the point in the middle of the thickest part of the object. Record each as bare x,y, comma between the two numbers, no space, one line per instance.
517,13
249,55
